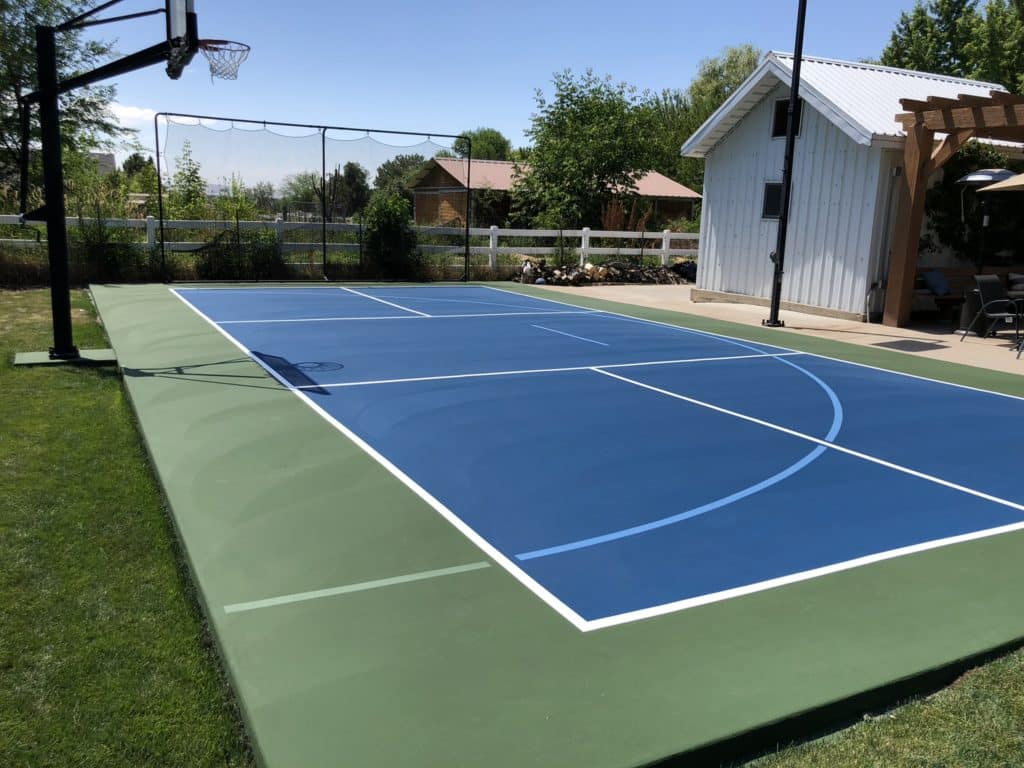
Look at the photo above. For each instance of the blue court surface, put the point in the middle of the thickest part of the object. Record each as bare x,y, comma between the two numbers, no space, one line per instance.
621,468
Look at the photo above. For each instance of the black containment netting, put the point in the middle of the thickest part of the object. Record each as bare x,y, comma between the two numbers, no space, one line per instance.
268,201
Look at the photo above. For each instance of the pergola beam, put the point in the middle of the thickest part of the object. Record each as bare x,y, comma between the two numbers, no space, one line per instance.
998,116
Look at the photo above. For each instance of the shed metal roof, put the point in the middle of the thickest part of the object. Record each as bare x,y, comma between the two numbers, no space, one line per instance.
861,99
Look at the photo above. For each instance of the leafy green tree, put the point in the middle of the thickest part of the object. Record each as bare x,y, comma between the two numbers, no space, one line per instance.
998,47
954,213
86,122
394,175
355,189
186,198
952,37
134,163
389,238
234,203
262,196
486,144
299,187
676,115
591,142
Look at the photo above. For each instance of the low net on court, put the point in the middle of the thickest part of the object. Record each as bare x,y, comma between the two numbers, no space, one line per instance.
248,200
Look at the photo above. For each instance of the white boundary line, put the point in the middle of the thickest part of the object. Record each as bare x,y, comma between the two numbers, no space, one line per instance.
792,578
382,301
711,334
298,597
528,371
404,317
526,580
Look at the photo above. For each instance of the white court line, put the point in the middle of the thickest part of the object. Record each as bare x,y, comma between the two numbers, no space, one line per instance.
382,301
818,441
528,371
712,335
465,529
571,335
362,586
421,316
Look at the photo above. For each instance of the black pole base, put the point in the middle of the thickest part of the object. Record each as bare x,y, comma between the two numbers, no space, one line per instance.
773,323
64,354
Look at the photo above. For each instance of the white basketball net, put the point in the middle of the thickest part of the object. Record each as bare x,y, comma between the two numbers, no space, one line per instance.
225,57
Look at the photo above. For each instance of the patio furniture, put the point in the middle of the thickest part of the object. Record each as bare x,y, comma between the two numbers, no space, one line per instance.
996,306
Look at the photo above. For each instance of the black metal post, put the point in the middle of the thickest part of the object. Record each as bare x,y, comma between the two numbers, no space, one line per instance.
469,206
25,116
160,200
323,197
779,256
53,190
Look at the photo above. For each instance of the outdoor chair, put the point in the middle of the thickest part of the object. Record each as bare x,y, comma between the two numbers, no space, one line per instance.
996,306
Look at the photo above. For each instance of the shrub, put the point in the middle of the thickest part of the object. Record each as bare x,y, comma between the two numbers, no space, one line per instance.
389,241
241,255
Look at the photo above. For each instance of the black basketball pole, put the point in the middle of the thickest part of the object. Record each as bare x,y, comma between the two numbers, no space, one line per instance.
779,256
53,187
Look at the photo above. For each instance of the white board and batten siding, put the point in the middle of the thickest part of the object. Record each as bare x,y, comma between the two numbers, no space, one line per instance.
833,240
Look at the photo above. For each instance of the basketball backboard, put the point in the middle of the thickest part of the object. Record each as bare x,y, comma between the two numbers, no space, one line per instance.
182,35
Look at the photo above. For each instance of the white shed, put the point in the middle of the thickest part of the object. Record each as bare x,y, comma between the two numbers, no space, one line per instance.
848,157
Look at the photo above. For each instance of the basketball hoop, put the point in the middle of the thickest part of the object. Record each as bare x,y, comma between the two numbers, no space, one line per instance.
225,57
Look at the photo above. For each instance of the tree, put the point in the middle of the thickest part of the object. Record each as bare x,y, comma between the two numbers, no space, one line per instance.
262,195
952,37
676,115
486,144
86,122
998,47
394,175
591,142
234,202
187,196
389,239
355,190
300,188
134,163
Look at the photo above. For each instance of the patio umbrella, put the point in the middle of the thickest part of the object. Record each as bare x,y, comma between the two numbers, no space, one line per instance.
1012,184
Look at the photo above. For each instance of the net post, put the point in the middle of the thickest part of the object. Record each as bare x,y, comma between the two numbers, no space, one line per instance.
469,206
323,199
160,199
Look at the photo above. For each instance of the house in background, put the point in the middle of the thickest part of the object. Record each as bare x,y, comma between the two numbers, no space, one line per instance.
439,193
846,174
105,162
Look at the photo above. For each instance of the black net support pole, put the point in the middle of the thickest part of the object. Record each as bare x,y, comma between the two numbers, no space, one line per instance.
469,206
24,116
160,199
779,256
53,190
323,198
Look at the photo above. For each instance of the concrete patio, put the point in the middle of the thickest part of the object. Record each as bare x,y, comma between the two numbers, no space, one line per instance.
931,341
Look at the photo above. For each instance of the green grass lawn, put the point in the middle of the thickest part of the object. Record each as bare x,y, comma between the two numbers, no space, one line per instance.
104,657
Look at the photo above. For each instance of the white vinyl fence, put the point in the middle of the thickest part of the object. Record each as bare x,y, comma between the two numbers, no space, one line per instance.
580,241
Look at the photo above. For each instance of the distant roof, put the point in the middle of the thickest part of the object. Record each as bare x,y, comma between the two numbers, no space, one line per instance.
500,175
862,100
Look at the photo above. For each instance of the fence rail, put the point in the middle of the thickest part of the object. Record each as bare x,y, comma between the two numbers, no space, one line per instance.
566,240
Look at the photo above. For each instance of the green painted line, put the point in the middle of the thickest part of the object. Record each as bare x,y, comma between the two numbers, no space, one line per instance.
362,586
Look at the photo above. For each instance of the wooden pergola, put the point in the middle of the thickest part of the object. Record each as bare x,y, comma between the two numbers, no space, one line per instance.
999,115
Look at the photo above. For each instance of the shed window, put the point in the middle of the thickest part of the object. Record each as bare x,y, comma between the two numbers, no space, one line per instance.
782,116
772,200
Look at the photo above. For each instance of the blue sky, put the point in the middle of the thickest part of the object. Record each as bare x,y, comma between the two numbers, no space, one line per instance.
461,65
